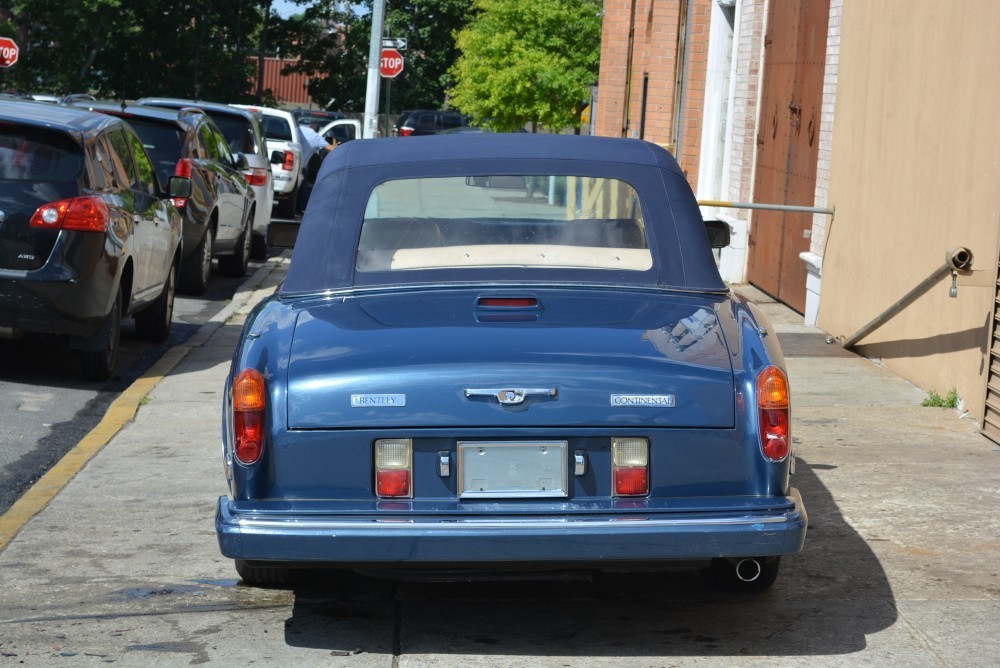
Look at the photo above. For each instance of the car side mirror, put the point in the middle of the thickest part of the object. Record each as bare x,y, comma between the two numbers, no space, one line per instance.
282,234
277,157
240,161
179,186
719,233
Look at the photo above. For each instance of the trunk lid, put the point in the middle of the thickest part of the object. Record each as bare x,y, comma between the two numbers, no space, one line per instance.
583,358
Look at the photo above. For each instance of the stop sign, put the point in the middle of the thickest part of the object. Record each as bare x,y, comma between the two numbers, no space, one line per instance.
8,52
392,63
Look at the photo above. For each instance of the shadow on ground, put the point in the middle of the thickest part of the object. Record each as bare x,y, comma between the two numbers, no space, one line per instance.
827,600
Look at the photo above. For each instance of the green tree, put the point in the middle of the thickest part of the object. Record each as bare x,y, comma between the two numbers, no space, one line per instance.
130,48
528,61
336,56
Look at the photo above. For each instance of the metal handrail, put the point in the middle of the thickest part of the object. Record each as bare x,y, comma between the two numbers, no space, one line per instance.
766,207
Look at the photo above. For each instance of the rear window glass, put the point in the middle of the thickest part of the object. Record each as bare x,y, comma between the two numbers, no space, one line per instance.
163,142
278,128
237,131
556,221
31,155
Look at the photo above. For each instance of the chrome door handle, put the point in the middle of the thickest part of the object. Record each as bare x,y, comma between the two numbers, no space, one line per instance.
511,396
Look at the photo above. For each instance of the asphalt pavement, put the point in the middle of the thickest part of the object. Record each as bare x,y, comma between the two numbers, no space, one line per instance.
112,557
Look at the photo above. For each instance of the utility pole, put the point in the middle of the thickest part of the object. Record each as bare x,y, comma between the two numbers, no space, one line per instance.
374,58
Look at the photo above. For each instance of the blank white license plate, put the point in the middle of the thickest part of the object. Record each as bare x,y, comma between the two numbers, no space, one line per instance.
521,470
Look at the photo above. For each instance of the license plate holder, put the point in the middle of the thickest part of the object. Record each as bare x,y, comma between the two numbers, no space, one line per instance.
513,469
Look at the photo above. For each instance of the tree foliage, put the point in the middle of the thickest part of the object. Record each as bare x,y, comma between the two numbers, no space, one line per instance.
209,48
338,59
528,61
131,48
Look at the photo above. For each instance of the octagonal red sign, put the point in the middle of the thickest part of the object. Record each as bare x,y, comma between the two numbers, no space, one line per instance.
8,52
391,64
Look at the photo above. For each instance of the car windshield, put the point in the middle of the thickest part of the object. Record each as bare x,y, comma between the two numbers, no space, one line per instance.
237,131
276,127
163,142
39,157
556,221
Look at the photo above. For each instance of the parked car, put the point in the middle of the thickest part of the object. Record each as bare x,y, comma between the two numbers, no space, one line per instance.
219,215
88,234
316,118
281,133
242,130
425,122
456,378
341,131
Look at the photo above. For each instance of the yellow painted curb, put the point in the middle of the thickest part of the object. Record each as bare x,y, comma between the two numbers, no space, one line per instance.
120,413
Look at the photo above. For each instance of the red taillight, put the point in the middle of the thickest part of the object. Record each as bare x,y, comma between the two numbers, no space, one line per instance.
774,413
393,467
392,483
249,404
405,131
630,466
256,176
183,168
289,163
80,214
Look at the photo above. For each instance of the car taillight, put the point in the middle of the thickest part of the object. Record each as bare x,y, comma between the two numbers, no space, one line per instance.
393,467
256,176
249,404
405,131
289,163
183,168
774,413
630,458
80,214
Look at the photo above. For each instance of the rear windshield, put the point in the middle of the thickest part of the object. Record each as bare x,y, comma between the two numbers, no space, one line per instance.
237,131
556,221
40,157
276,127
163,142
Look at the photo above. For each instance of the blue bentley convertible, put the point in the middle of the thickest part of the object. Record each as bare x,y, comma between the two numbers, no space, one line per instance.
506,353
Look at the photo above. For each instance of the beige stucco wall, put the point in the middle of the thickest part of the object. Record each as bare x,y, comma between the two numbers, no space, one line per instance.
915,170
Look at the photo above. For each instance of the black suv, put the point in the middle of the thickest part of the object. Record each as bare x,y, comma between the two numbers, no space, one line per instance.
87,232
425,122
218,217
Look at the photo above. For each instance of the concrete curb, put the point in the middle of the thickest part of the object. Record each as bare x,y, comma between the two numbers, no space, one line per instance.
122,411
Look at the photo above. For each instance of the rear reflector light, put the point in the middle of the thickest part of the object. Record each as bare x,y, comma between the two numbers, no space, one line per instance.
81,214
289,163
405,132
256,176
249,404
774,413
630,458
393,467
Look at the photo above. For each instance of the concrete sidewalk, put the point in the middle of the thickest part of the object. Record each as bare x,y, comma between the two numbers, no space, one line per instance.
898,568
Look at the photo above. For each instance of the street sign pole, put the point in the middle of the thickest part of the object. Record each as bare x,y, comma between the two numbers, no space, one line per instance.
388,94
374,64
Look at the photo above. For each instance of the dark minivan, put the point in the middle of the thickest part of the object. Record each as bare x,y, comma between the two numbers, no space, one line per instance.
88,234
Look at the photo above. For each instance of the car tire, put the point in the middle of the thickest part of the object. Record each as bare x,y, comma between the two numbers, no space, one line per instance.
267,576
287,207
99,365
258,247
237,263
153,323
196,268
722,573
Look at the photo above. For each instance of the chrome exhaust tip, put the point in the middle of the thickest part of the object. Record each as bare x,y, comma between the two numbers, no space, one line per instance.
748,570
